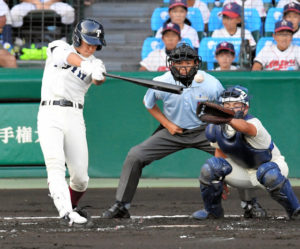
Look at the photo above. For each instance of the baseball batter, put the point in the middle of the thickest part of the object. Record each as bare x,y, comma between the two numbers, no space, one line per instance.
180,127
69,72
246,158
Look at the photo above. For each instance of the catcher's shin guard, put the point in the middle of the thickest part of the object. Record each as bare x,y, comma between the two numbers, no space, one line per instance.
280,189
212,198
286,197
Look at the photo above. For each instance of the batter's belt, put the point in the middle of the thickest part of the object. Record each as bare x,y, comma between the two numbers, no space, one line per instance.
62,102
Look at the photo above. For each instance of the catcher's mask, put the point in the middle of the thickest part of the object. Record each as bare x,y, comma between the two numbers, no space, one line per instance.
236,94
184,52
90,31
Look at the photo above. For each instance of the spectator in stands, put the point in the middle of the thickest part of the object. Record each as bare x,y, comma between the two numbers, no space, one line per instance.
6,30
291,12
251,4
281,56
282,3
231,17
203,9
178,12
225,54
19,11
157,59
6,59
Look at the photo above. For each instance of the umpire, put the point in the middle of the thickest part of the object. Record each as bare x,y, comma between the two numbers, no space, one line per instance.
179,126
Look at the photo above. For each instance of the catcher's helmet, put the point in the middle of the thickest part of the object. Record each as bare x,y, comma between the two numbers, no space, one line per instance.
90,31
235,94
184,52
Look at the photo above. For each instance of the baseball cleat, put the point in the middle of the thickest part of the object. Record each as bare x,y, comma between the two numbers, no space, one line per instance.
74,219
203,215
82,212
296,214
118,210
253,209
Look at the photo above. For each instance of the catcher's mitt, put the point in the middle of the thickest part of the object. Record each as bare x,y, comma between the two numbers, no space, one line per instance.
210,112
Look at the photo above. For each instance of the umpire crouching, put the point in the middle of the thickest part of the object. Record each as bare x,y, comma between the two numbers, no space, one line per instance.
180,127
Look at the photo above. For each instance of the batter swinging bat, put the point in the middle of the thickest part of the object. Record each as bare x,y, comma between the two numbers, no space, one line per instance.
162,86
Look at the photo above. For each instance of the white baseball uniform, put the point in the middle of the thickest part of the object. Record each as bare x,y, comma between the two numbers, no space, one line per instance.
241,177
61,129
19,11
156,61
282,3
232,67
297,34
186,32
271,58
251,4
203,9
223,33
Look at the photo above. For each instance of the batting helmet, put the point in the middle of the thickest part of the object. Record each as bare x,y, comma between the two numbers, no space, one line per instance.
235,94
184,52
90,31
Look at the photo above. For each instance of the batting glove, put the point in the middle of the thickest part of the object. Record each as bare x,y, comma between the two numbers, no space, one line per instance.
98,70
86,67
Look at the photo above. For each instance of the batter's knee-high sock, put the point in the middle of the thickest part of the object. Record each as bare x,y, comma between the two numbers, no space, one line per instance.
75,196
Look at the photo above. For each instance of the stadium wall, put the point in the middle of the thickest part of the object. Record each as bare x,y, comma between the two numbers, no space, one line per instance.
116,120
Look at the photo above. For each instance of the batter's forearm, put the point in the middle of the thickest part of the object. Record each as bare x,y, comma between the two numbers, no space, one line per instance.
74,60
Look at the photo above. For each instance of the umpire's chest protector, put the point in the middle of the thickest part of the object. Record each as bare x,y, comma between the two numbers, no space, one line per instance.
237,148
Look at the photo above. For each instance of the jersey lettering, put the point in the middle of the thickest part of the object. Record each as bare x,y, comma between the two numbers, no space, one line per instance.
283,64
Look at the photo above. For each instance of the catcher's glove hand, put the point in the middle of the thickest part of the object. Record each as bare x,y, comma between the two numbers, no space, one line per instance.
210,112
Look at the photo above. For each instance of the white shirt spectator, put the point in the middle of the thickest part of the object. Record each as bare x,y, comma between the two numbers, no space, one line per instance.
282,3
19,11
251,4
155,61
297,34
186,32
232,67
271,58
4,11
223,33
203,9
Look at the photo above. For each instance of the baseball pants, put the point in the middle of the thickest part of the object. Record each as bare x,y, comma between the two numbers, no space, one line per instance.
62,135
156,147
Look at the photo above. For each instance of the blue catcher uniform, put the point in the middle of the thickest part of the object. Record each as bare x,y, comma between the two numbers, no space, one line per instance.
251,162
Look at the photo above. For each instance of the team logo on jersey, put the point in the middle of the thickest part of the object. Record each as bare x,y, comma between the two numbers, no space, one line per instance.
98,31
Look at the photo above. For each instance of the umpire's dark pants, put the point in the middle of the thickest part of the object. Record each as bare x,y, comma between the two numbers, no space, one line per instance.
159,145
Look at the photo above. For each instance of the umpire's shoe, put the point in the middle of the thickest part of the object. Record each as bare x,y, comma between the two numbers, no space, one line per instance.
118,210
253,209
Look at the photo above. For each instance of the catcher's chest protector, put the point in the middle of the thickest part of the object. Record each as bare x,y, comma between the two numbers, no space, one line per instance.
240,151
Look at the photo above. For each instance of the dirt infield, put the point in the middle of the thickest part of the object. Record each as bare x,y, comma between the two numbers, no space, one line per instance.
160,219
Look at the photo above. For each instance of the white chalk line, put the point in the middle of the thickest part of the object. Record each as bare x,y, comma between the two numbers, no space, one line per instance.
99,217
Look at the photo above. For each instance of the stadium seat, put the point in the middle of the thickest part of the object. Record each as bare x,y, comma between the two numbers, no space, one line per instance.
252,21
208,46
268,4
273,15
152,43
265,40
160,15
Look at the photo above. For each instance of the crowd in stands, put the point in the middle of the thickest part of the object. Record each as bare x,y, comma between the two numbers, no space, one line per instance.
220,43
13,18
214,28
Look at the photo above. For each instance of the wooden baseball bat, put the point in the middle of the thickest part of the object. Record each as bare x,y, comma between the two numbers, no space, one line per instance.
162,86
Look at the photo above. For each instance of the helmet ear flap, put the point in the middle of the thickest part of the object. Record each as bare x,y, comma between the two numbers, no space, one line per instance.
76,38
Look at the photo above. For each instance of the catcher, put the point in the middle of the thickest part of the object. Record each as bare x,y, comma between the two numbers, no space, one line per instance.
245,158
